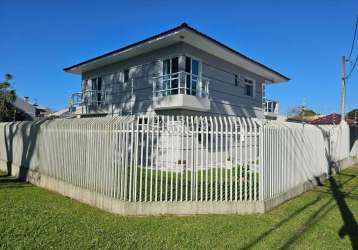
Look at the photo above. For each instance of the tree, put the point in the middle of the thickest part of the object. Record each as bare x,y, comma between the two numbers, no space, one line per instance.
353,114
301,111
7,97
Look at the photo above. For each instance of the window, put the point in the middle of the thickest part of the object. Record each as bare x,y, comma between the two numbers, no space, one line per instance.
193,67
249,87
96,93
236,80
126,75
170,78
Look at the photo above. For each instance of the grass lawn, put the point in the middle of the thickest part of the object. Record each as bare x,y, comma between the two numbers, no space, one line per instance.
325,218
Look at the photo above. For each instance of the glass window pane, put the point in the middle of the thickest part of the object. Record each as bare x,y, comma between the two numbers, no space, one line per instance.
166,67
195,67
249,90
175,65
94,83
126,75
188,81
99,83
99,87
248,80
188,64
174,87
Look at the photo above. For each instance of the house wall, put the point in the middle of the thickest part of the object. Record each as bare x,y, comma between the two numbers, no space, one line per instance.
226,98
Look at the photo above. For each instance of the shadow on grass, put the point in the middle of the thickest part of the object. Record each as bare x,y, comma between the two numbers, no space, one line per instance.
349,228
12,182
281,223
312,220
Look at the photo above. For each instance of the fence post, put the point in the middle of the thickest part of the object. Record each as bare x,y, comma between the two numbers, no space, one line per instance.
261,160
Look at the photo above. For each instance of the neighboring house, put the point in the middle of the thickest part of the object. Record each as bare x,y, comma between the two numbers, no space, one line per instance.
334,119
331,120
25,110
180,71
300,119
63,113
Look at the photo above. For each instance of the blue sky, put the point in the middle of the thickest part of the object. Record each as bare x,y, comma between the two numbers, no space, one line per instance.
301,39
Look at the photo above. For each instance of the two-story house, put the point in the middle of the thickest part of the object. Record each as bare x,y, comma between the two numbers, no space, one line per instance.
178,72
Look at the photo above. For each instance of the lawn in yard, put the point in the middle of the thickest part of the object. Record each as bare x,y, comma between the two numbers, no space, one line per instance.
324,218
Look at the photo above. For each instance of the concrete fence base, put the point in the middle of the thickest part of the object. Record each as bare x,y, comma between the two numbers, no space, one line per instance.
159,208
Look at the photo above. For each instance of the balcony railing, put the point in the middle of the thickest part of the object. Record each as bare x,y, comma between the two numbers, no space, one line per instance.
90,98
271,106
186,91
180,83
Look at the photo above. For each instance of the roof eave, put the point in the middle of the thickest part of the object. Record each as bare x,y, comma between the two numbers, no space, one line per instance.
276,76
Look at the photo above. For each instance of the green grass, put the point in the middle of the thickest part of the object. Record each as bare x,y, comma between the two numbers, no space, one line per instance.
33,218
180,184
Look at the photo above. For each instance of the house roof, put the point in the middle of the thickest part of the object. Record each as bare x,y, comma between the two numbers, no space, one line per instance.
24,106
297,118
330,119
28,107
181,33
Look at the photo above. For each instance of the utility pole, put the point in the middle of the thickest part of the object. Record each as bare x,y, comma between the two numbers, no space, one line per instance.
343,90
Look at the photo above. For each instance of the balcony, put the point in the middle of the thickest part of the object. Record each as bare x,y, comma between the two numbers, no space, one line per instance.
88,100
181,90
271,108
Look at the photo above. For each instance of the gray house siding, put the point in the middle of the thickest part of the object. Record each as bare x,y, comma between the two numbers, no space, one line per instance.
141,69
225,97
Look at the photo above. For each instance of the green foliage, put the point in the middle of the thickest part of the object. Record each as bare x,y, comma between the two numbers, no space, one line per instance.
301,111
33,218
7,96
353,114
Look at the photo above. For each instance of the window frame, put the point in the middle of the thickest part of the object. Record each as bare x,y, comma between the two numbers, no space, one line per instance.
197,59
98,97
253,84
200,69
236,80
124,75
170,79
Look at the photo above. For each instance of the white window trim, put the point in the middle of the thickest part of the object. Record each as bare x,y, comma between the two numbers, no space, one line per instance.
169,58
89,80
197,59
183,55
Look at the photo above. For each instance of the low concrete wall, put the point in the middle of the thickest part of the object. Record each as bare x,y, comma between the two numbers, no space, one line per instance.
293,192
135,208
343,164
160,208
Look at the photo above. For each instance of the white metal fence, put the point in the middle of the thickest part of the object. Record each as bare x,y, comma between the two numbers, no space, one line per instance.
167,158
157,158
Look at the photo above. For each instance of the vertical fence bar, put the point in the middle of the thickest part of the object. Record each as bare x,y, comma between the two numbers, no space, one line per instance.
211,159
225,162
216,158
206,158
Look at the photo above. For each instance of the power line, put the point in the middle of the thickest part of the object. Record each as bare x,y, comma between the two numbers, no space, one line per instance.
352,69
354,38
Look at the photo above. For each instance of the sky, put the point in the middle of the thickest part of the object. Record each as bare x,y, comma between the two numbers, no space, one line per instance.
303,40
